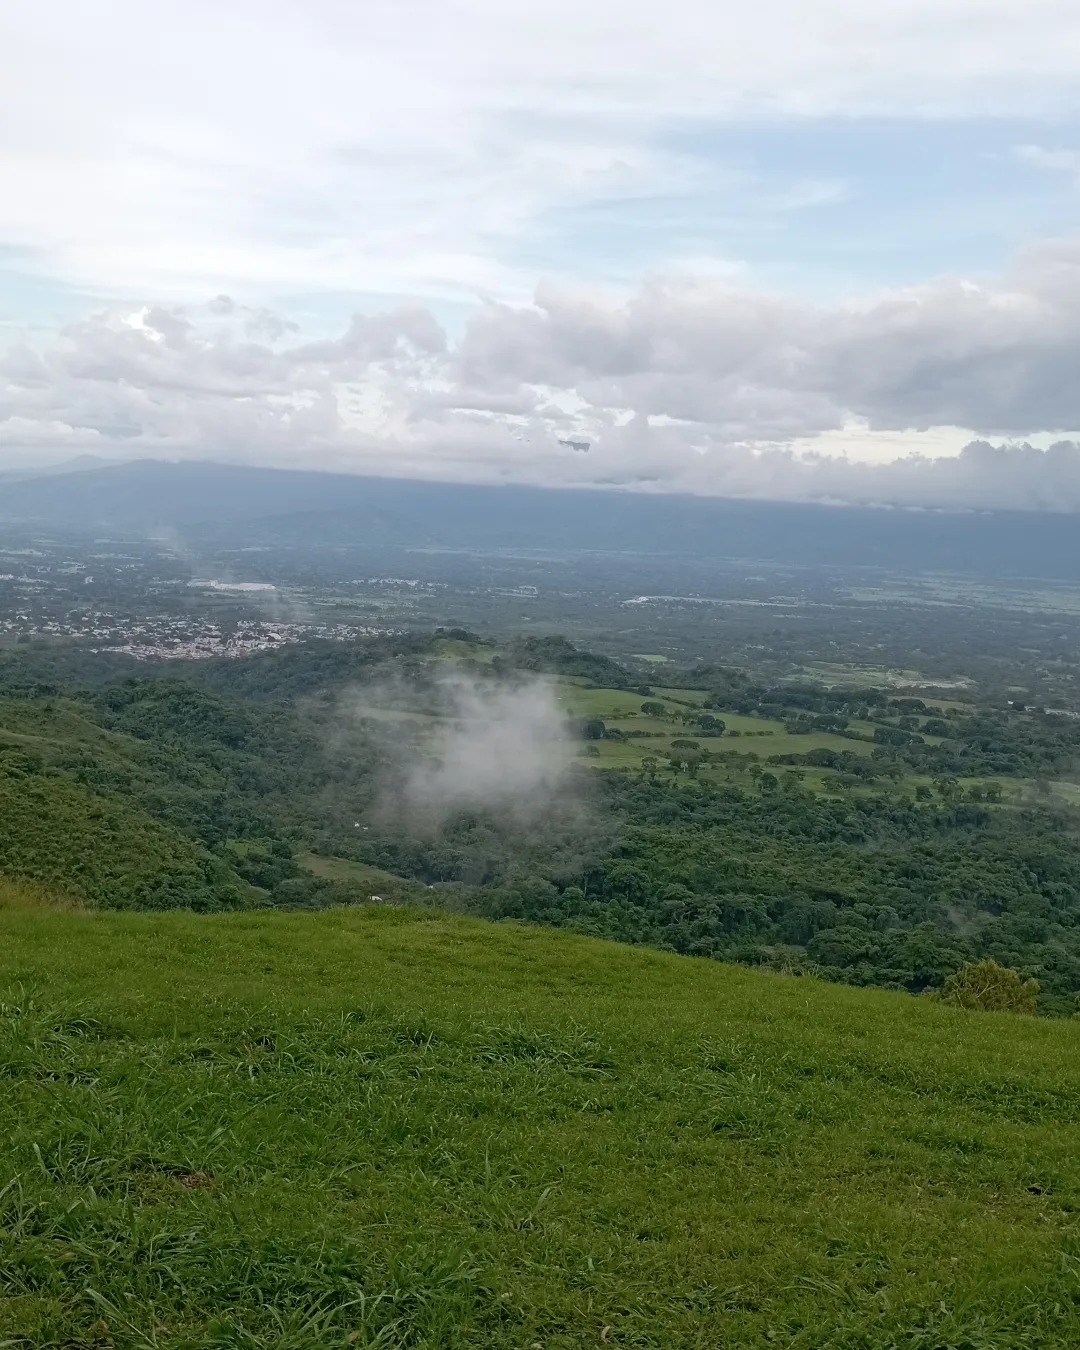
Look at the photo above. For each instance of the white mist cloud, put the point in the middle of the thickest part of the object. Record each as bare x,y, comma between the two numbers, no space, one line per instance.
502,749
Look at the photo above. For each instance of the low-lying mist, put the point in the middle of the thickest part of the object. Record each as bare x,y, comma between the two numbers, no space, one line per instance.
476,777
501,749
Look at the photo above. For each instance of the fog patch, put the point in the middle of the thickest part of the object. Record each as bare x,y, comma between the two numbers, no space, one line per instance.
504,749
468,776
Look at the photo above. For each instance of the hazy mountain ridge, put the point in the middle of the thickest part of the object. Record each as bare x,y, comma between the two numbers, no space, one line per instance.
279,506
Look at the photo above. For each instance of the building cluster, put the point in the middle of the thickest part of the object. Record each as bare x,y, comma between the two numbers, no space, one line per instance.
167,637
202,641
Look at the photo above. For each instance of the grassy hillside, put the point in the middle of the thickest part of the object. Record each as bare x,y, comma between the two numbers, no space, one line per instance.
105,851
391,1129
154,794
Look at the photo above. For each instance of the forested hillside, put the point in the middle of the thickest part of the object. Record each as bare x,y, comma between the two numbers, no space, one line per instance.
848,832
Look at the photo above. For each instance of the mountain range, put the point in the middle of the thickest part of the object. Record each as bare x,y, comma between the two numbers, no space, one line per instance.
291,507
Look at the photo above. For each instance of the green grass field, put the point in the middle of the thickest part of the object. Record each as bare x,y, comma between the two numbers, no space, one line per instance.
622,710
693,697
582,702
385,1128
629,754
455,649
367,880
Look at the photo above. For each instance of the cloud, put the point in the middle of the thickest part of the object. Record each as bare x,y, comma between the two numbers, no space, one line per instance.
1051,160
187,381
992,355
505,749
458,744
419,148
703,386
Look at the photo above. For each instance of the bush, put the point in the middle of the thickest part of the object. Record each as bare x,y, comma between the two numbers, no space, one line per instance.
589,728
987,987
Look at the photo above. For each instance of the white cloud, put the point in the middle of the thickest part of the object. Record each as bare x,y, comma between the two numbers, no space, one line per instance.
706,386
414,147
1053,160
993,356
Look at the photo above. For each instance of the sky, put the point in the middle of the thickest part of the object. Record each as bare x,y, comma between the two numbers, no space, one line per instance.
792,250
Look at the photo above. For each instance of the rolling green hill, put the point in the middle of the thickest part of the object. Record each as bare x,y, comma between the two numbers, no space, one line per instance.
845,834
106,851
397,1129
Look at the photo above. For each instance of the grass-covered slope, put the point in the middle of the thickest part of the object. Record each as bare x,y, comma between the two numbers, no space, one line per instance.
104,851
149,795
74,799
390,1129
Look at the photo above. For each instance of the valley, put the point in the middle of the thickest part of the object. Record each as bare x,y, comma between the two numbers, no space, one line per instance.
420,947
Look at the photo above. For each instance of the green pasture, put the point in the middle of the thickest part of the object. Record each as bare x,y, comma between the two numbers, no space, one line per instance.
390,1129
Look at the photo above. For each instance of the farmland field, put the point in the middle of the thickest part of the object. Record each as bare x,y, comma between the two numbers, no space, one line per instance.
360,876
621,710
651,736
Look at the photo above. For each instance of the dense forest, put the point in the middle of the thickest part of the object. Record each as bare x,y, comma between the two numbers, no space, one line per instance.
214,785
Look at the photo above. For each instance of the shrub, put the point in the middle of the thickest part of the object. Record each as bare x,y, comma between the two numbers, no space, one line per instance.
988,987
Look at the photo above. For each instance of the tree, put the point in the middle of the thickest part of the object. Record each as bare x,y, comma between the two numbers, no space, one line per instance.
896,736
654,709
986,986
591,728
923,793
685,759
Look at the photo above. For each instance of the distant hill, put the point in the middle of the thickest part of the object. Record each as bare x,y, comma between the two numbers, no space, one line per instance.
284,507
557,656
20,468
